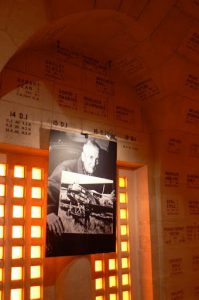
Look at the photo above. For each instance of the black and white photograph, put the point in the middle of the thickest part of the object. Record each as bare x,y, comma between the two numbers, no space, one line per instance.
81,202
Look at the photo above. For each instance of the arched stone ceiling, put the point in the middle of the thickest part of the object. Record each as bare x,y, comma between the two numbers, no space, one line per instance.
153,44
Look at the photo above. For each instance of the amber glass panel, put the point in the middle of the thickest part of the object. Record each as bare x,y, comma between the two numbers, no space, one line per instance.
19,171
98,283
98,265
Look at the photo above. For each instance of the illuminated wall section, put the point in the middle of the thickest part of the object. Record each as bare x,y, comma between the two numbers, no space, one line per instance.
21,229
111,271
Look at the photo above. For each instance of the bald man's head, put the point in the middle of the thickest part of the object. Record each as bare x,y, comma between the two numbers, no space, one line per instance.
90,156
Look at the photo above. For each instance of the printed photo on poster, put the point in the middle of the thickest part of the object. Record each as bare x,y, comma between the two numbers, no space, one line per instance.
81,203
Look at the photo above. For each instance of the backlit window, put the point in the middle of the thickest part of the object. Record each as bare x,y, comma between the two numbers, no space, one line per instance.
36,192
2,169
19,171
17,252
2,190
21,237
17,211
35,252
16,294
16,273
35,292
17,231
18,191
36,173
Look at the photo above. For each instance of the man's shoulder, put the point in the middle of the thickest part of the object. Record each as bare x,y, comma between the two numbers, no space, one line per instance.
69,163
72,165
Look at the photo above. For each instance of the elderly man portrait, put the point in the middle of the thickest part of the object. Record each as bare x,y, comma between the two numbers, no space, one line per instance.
88,164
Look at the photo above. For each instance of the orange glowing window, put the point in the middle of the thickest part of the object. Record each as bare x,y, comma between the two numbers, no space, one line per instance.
2,190
17,252
124,246
19,171
18,191
36,192
35,231
99,298
123,229
36,174
112,281
18,211
16,294
113,297
123,214
35,292
1,210
122,182
98,283
17,231
35,252
125,263
98,265
1,231
125,295
1,274
2,169
1,252
35,272
16,273
125,279
111,264
123,197
36,212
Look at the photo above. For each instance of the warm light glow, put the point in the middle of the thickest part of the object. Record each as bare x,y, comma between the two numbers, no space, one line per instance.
125,279
125,295
18,191
16,294
19,171
35,292
17,211
1,210
111,264
112,281
123,214
2,190
0,295
99,298
122,197
1,274
1,231
36,212
17,231
17,252
16,273
98,283
125,263
36,173
35,252
98,265
113,297
123,229
1,252
122,182
124,246
35,231
36,192
35,271
2,169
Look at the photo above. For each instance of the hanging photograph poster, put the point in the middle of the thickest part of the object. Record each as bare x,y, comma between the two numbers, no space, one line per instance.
81,202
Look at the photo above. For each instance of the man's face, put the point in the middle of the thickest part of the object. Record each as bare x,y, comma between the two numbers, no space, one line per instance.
90,156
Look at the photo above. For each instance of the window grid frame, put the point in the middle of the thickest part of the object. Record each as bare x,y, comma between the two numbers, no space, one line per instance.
8,221
119,271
